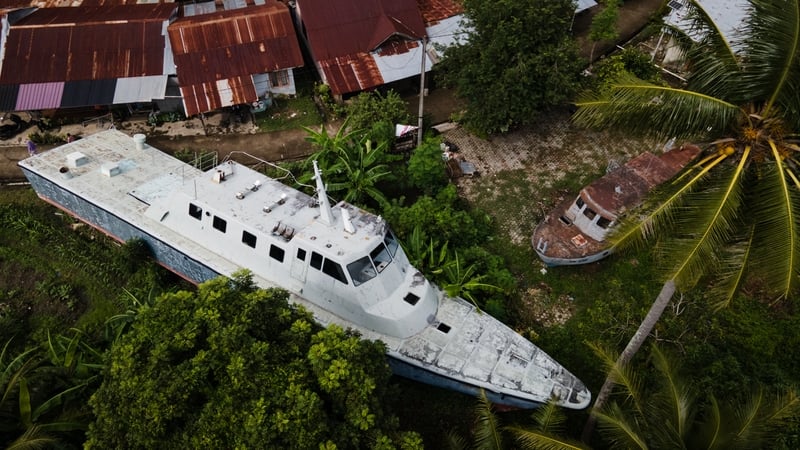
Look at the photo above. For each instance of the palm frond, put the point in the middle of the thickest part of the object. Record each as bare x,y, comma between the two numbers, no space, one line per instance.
746,417
548,417
642,224
679,401
487,426
618,429
776,209
772,51
32,439
731,273
542,440
636,106
786,407
710,429
715,66
623,376
706,226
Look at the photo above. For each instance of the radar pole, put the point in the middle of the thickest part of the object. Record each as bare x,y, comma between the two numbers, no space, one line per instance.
421,90
326,215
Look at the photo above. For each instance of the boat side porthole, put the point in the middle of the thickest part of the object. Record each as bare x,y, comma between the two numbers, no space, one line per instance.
411,299
443,327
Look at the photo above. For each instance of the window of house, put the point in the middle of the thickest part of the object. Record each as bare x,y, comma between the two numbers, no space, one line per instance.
195,211
276,252
249,239
316,260
602,222
301,254
589,212
334,269
279,78
220,224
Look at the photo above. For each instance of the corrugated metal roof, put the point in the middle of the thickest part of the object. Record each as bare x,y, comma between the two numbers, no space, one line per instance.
229,44
203,97
347,36
347,27
87,43
88,93
140,89
8,97
436,10
39,96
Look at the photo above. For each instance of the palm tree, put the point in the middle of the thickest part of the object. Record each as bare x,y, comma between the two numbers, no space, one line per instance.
734,217
489,433
670,414
359,168
736,214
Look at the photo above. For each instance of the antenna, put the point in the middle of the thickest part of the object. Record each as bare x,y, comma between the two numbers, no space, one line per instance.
326,215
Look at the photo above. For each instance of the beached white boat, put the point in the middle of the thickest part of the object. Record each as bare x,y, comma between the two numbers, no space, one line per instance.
574,231
341,262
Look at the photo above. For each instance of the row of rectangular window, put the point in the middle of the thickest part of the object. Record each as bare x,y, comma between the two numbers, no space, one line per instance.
327,266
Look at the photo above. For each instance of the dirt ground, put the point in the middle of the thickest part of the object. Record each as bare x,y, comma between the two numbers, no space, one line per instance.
193,134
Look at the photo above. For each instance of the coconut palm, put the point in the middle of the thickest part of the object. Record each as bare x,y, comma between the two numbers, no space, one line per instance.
734,217
669,413
736,214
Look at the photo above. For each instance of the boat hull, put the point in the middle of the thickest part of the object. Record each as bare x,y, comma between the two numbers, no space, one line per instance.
197,272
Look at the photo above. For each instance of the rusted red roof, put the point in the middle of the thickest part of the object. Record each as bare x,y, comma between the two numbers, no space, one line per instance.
87,43
345,27
342,33
239,42
204,97
436,10
628,185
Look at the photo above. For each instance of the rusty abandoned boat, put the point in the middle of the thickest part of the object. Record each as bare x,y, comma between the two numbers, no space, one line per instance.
574,232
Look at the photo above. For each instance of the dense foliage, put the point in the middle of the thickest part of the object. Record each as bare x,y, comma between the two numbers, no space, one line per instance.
516,60
234,366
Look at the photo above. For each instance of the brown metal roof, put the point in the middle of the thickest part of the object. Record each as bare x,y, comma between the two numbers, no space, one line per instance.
345,27
204,97
229,44
87,43
436,10
628,185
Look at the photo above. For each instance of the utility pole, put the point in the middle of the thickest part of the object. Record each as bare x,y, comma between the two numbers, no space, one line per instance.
421,90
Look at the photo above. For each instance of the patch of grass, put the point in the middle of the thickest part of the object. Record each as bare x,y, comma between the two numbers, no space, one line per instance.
289,114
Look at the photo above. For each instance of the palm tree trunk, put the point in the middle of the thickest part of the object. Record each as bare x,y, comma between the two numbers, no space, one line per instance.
647,325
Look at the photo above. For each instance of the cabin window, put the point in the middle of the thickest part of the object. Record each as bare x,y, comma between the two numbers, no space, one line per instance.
301,254
361,270
589,212
579,202
380,256
602,222
334,269
195,211
249,239
316,260
411,299
391,242
279,78
276,252
220,224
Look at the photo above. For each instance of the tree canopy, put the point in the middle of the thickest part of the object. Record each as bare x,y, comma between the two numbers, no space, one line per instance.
234,366
517,59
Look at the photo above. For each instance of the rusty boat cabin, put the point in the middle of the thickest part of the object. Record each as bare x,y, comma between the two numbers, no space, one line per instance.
574,232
